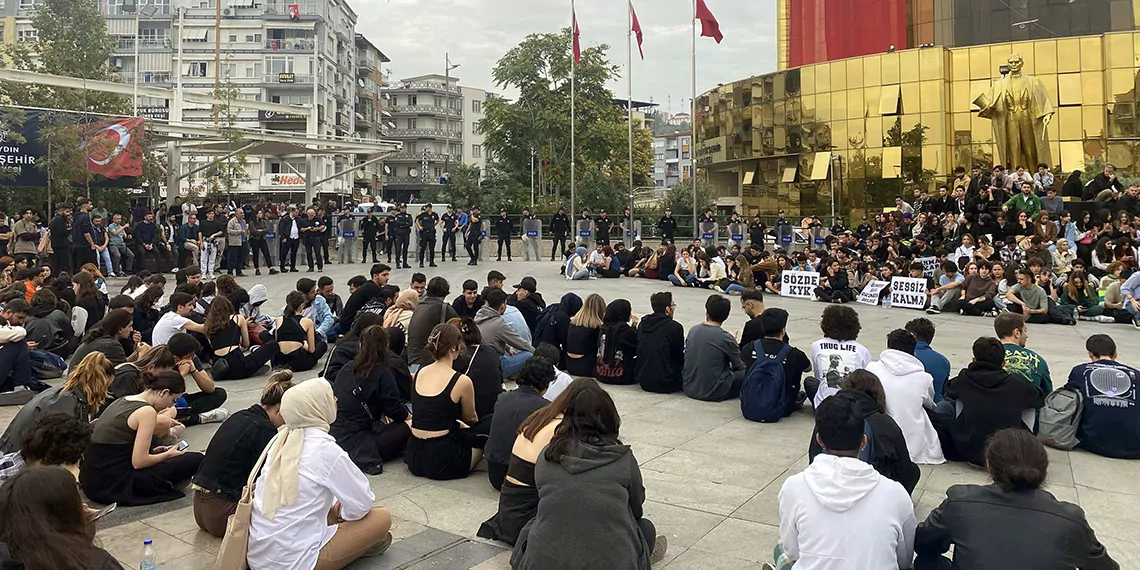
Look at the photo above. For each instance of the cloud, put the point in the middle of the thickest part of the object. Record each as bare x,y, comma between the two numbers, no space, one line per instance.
415,34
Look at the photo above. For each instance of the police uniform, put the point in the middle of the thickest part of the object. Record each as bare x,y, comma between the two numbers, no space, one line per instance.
602,226
369,230
450,223
503,229
530,243
403,236
427,221
559,226
473,237
667,225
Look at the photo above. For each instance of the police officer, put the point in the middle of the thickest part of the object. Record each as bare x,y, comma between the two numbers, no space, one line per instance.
529,242
602,227
326,221
403,235
667,226
312,232
426,223
449,221
837,227
584,221
559,226
369,230
503,229
758,233
707,218
734,218
473,235
387,232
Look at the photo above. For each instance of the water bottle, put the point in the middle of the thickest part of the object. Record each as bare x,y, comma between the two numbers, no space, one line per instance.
149,560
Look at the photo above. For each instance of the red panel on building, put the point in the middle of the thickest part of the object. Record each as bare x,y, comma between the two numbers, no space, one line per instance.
827,30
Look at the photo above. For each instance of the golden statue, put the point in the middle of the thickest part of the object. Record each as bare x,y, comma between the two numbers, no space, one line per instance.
1020,110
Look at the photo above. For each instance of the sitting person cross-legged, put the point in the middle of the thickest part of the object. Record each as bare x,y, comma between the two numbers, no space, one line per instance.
299,347
910,392
713,368
1110,421
481,364
511,409
228,334
617,344
514,350
54,439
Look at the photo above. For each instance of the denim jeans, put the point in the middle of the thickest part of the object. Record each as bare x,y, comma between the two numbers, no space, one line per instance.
511,363
734,288
105,258
209,255
580,274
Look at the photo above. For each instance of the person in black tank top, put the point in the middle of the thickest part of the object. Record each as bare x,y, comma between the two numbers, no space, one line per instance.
292,327
228,335
442,445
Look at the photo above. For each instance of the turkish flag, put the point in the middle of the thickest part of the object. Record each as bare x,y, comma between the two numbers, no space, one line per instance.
577,46
114,149
710,28
636,29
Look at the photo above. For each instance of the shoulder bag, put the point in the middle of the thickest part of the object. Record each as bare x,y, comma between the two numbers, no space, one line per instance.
231,553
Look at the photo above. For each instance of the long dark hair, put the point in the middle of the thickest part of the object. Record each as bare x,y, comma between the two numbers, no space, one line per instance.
114,321
362,322
45,523
294,301
373,351
87,289
590,417
221,310
146,301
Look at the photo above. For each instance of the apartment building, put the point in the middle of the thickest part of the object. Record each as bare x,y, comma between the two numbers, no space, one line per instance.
369,108
437,120
671,158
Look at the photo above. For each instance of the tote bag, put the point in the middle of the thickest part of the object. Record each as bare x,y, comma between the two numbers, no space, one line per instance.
231,554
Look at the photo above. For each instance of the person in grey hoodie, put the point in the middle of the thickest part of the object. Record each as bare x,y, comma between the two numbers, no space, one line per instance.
513,348
590,497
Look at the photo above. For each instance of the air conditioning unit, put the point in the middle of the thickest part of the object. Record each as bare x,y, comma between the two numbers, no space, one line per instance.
414,172
117,63
227,12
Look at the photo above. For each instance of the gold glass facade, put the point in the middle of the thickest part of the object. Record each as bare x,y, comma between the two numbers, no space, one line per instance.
899,120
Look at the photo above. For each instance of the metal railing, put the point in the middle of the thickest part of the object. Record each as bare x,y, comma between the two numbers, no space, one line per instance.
425,109
418,156
301,44
417,85
297,78
128,43
407,180
306,9
424,133
154,76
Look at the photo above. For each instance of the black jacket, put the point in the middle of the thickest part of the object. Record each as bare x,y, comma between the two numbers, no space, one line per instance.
504,227
461,308
233,450
511,409
361,404
616,364
1099,184
342,354
560,224
481,364
529,307
285,226
660,354
995,529
356,301
892,459
991,399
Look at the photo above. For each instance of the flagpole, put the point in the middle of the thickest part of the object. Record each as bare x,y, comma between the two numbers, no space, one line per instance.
629,104
693,124
573,64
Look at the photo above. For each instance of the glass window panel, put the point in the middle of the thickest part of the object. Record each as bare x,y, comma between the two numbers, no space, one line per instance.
999,56
1069,88
1093,117
874,163
856,107
1092,87
890,67
931,95
779,113
871,96
981,129
1119,50
778,82
1121,85
1044,56
935,124
979,62
910,121
856,134
908,98
1091,53
1120,154
931,61
908,66
816,105
854,73
1054,131
1136,43
961,122
960,96
872,70
977,87
932,157
820,163
874,132
838,75
892,162
807,80
1072,156
1068,55
1050,82
1025,50
822,78
889,100
960,63
1069,120
839,106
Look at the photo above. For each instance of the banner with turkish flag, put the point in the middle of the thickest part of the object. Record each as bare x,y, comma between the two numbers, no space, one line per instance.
710,28
113,148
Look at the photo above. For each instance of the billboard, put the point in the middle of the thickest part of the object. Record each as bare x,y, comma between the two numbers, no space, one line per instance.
111,148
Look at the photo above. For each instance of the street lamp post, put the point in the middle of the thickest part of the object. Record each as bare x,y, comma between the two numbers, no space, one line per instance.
150,11
447,67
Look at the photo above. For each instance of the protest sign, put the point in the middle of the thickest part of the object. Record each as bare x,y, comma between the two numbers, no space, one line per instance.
908,293
870,294
798,284
929,265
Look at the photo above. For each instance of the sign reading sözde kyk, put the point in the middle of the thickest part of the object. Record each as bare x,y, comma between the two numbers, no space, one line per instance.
798,284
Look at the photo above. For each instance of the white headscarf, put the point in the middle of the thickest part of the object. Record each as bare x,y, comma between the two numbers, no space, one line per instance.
309,404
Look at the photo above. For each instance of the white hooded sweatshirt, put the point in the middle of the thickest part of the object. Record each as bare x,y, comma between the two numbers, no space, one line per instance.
910,389
841,514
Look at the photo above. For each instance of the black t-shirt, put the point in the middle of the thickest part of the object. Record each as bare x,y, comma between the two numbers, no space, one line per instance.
427,221
795,365
449,221
209,228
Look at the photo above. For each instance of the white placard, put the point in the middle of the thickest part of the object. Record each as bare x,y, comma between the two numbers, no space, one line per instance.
870,294
908,293
929,265
798,284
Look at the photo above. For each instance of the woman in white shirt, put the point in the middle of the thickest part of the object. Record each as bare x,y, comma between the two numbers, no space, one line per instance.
307,482
965,250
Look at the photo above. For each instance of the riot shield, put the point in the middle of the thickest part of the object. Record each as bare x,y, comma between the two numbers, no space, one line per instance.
585,233
532,232
819,237
271,241
784,236
736,233
348,240
632,234
708,234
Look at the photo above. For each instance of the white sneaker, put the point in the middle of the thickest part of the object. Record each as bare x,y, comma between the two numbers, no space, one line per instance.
718,289
213,416
1103,319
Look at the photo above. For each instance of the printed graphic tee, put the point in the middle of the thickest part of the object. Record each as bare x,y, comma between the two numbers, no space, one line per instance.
833,361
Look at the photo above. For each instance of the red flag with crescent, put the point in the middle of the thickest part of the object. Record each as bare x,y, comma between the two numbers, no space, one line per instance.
577,45
636,29
114,147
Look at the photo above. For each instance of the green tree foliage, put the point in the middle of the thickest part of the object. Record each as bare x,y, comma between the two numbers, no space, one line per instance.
224,175
490,189
539,68
679,199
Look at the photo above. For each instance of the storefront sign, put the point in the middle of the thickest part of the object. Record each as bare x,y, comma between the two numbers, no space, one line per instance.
282,180
798,284
908,293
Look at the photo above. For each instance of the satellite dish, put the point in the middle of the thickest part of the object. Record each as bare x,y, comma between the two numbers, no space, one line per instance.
360,82
387,170
414,172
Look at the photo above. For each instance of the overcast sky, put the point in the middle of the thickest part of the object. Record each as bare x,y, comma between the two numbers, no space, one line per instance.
415,34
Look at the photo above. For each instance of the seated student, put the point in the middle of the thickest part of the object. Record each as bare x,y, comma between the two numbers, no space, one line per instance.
108,338
48,326
469,302
312,507
591,495
480,363
327,289
910,392
80,397
228,335
446,443
796,363
1028,299
203,406
1012,523
120,465
348,346
53,439
528,301
891,458
1011,330
554,323
607,263
372,420
617,344
232,453
835,355
297,342
561,379
176,319
514,350
54,530
146,313
660,347
713,369
1110,421
840,512
834,285
977,293
510,410
936,365
577,267
581,348
982,400
400,313
88,297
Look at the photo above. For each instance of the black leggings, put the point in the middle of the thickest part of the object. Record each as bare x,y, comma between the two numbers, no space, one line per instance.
392,440
649,532
448,245
504,240
260,246
472,248
301,360
977,309
496,474
199,403
244,366
369,242
830,295
313,249
1038,319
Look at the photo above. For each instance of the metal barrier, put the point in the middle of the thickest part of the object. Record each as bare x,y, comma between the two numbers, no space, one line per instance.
736,232
531,232
819,237
632,234
584,233
708,234
785,235
347,247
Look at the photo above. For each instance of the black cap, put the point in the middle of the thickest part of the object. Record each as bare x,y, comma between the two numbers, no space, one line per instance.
529,284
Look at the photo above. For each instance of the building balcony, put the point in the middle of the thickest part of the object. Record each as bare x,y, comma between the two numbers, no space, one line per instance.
288,79
418,156
424,110
151,77
127,44
422,86
424,134
407,181
304,45
117,10
305,10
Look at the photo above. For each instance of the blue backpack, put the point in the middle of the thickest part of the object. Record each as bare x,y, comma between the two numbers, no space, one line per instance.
763,395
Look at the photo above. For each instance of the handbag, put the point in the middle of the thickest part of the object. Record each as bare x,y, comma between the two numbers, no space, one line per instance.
231,553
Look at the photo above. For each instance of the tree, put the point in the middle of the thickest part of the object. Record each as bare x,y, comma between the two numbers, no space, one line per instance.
224,175
539,69
679,199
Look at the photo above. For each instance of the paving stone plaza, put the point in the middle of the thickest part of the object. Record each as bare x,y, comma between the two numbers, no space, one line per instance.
711,477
